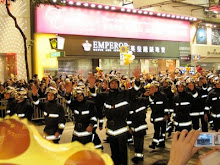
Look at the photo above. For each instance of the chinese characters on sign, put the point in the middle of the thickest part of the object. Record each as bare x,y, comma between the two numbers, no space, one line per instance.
105,46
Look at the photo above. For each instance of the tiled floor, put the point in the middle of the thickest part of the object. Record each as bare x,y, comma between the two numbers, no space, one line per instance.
150,155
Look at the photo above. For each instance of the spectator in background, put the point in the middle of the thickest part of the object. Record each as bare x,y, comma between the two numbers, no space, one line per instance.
198,68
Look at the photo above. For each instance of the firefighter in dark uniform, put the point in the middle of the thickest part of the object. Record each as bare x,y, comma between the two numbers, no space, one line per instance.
23,108
203,93
159,115
54,114
182,108
138,125
213,104
9,95
116,109
84,115
99,115
197,112
167,89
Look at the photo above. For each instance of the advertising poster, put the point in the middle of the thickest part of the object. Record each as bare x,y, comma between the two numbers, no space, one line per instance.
215,36
201,36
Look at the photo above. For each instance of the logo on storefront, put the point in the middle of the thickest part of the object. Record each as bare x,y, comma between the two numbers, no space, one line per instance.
87,46
106,46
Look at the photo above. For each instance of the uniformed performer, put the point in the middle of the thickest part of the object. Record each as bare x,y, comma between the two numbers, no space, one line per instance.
54,114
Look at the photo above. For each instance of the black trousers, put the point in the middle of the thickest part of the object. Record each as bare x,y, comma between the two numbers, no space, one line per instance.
83,139
159,131
216,122
178,128
96,140
118,145
139,144
196,123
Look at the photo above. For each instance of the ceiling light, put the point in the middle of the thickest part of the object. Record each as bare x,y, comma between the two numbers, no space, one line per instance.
122,9
190,18
140,11
194,19
151,13
113,8
177,17
163,15
93,5
182,17
106,7
70,2
173,16
168,15
128,10
134,11
99,6
78,3
145,12
158,14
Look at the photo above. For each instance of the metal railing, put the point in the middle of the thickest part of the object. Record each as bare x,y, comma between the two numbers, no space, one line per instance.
38,113
3,106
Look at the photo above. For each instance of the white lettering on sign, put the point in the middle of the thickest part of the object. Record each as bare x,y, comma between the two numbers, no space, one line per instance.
106,46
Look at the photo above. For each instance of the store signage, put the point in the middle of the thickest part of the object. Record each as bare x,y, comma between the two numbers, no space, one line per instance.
214,52
107,46
91,22
57,43
57,54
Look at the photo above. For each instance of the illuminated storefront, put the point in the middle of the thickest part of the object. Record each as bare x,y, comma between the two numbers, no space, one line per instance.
93,38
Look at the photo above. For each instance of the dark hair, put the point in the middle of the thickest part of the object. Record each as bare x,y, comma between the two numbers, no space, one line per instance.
160,162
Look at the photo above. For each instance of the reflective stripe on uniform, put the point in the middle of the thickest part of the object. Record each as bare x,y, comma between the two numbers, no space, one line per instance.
194,114
101,121
203,96
93,118
185,124
140,109
53,115
158,119
136,87
129,122
166,110
76,112
141,127
131,112
80,134
139,155
184,103
195,95
174,114
107,106
156,140
51,137
171,110
61,125
21,115
159,102
201,113
207,108
215,115
45,113
98,146
161,140
68,101
175,123
95,125
8,111
209,89
177,104
121,104
214,98
117,132
93,94
36,102
85,112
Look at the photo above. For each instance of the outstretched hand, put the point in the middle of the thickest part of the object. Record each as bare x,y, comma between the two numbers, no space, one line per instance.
34,90
182,148
137,73
91,80
68,87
